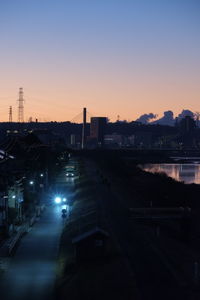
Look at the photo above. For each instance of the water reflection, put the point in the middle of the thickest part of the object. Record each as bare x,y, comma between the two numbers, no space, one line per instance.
189,173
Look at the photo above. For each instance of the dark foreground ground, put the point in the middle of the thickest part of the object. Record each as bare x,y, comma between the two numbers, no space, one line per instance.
147,260
144,259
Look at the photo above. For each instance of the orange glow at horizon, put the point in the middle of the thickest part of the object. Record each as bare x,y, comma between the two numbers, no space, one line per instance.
127,100
123,58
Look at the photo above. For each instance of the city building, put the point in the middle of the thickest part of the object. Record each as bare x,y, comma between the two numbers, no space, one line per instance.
114,140
75,141
3,215
98,130
143,139
15,200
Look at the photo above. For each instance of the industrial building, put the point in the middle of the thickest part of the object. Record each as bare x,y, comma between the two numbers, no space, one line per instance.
98,130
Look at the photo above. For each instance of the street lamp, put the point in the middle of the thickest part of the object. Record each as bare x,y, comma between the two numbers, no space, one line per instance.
32,184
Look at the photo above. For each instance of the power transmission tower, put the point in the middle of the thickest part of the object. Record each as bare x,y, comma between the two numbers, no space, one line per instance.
21,106
10,114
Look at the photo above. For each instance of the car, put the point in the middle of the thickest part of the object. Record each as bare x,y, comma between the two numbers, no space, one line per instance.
70,174
60,200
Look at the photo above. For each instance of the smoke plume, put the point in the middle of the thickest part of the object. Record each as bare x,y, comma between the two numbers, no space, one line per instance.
184,113
146,118
167,119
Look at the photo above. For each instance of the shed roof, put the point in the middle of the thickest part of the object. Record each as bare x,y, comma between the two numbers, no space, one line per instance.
89,233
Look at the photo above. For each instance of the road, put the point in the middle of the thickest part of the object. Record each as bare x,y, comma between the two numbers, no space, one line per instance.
32,270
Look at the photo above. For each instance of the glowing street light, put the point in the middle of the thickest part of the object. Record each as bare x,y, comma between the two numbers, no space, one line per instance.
31,182
57,200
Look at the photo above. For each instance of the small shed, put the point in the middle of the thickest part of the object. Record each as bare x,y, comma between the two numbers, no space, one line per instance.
91,245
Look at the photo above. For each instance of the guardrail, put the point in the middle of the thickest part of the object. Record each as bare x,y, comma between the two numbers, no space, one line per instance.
16,238
4,262
24,229
32,220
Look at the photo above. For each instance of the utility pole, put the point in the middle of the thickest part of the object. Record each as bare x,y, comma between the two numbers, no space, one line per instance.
21,106
10,114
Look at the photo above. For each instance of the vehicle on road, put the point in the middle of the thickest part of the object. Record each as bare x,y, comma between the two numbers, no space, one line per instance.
70,174
71,171
60,200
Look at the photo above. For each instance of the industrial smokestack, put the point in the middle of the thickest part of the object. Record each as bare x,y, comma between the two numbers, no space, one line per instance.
84,128
21,106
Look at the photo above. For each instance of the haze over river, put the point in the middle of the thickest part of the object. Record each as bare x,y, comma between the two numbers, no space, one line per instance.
189,173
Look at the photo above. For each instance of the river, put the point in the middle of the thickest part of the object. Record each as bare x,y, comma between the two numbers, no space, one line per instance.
188,173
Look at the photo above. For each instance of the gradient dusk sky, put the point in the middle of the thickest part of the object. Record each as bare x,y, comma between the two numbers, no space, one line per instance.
115,57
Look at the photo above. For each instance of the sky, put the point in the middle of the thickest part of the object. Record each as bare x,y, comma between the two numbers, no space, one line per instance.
115,57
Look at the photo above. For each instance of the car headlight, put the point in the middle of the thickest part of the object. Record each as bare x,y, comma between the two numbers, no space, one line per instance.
57,200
